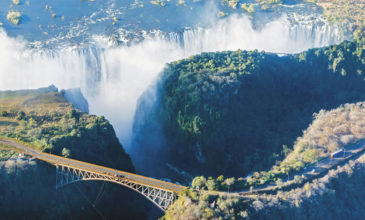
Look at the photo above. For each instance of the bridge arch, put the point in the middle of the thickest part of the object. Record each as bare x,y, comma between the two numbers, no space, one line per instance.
162,198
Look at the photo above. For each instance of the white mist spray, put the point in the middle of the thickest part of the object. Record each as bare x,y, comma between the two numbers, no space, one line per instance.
112,79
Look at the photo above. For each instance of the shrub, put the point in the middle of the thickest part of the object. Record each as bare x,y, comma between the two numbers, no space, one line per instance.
16,2
181,2
66,152
208,213
310,156
4,113
199,182
298,179
229,182
20,116
232,3
222,14
161,3
192,194
14,16
279,182
212,184
72,113
248,7
307,187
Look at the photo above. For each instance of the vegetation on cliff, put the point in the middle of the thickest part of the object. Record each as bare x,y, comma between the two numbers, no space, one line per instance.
348,13
337,195
314,74
222,113
339,192
44,120
329,132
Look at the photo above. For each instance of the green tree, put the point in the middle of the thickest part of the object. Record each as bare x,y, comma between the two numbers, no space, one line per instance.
4,113
359,36
66,152
279,182
310,156
72,113
199,182
307,187
212,184
298,179
229,182
220,178
286,150
20,116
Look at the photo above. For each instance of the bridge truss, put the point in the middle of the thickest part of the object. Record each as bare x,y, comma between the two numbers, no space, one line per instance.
162,198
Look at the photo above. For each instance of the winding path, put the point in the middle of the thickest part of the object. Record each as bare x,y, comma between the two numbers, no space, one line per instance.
312,171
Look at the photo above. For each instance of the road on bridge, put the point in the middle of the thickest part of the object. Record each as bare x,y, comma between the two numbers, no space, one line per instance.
310,170
57,160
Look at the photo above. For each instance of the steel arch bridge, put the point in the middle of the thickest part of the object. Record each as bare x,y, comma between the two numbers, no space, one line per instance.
160,193
162,198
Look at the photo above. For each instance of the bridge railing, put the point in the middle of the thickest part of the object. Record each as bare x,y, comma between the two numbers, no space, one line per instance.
55,159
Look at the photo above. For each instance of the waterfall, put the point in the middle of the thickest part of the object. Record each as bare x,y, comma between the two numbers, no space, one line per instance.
113,78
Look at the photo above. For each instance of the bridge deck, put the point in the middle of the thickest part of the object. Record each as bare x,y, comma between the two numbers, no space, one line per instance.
57,160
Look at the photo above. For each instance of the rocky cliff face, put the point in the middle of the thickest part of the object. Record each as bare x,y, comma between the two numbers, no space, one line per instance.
76,97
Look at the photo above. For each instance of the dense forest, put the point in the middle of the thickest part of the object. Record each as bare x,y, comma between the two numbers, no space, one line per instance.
231,113
333,74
